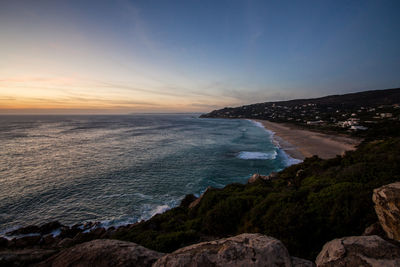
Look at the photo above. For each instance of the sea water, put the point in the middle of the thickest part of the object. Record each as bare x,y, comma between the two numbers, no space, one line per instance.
121,169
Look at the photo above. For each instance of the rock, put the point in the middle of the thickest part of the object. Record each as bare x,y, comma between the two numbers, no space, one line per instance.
359,251
30,229
26,241
108,233
49,227
387,207
257,176
254,178
374,229
104,252
81,237
66,231
97,233
65,243
197,201
297,262
49,240
3,242
187,200
241,250
24,257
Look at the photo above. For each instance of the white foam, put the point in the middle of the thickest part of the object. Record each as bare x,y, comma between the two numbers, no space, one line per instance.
149,212
257,155
288,159
258,124
159,210
56,232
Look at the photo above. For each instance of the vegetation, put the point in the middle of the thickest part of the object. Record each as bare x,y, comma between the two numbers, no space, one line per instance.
360,114
307,204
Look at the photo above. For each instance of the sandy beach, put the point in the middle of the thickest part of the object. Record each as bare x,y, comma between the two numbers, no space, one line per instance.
300,143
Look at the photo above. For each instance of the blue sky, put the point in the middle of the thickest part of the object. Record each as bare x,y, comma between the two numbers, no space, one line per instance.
166,56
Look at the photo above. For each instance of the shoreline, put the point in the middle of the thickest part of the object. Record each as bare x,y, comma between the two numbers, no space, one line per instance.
300,144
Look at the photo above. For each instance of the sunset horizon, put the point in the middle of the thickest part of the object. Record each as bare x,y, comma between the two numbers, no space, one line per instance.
134,56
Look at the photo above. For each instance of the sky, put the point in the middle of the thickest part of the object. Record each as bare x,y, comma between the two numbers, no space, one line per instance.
122,56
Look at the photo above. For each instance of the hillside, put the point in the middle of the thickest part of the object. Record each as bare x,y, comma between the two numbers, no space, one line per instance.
356,113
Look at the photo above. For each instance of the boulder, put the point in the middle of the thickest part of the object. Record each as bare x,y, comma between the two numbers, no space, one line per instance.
374,229
359,251
30,229
49,240
69,232
241,250
49,227
104,252
187,200
96,233
65,243
257,176
387,207
26,241
197,201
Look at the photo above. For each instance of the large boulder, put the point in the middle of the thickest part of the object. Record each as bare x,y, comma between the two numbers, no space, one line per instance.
387,207
104,252
241,250
359,251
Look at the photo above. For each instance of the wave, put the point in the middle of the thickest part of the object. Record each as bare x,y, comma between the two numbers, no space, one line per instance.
152,211
288,160
257,155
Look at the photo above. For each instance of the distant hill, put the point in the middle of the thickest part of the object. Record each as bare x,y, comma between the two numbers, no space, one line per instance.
365,98
360,111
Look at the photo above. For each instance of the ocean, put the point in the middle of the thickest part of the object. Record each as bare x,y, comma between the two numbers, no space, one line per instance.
120,169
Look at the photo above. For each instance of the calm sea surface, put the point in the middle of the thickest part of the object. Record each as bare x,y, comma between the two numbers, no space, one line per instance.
121,169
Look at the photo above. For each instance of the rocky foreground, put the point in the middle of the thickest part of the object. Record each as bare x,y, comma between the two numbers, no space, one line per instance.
379,246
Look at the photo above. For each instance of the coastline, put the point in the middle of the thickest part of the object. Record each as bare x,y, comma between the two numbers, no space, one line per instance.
300,144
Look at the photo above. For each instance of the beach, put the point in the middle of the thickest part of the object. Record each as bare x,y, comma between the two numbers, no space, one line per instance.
300,143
